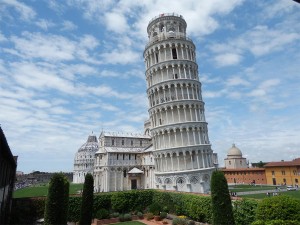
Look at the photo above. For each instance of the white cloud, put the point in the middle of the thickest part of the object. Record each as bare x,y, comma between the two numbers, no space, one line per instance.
68,25
228,59
116,22
44,24
26,12
121,56
48,47
237,81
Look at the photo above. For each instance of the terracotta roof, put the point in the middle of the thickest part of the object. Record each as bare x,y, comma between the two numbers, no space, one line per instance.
295,162
242,169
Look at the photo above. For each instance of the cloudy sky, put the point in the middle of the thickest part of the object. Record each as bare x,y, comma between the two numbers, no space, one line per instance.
70,68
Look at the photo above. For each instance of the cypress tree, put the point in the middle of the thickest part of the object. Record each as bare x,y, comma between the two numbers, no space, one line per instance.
56,207
221,201
86,212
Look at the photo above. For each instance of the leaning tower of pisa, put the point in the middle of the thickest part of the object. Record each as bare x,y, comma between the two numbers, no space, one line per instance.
181,147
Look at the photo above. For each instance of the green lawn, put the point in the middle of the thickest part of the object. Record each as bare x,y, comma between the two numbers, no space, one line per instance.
243,188
130,223
42,190
293,194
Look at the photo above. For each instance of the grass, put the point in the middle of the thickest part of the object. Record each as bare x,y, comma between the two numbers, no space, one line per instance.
42,190
130,223
293,194
244,188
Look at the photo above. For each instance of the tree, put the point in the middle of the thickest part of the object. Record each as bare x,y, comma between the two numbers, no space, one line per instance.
56,207
87,201
221,201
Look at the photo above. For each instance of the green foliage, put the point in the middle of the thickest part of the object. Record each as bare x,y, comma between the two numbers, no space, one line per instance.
163,215
278,208
115,215
27,211
149,216
221,203
179,221
57,200
127,201
127,217
276,222
86,212
74,209
197,207
140,215
102,214
244,211
155,208
102,200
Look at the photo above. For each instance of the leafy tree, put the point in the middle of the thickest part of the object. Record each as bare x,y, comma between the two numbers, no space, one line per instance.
221,202
87,201
56,206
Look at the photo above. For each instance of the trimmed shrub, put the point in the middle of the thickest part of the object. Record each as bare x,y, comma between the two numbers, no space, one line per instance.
155,208
221,202
127,217
57,200
276,222
115,215
163,215
140,215
86,212
74,209
278,208
149,216
179,221
244,211
102,214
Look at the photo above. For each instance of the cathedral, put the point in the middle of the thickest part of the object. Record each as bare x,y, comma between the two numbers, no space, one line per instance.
174,152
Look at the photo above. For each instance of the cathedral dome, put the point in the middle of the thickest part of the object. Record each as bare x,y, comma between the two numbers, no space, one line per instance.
234,152
91,145
84,159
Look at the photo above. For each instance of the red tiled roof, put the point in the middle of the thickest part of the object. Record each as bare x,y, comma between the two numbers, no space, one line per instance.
295,162
242,169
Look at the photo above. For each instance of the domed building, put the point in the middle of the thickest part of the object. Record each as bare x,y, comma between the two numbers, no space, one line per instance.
235,159
84,159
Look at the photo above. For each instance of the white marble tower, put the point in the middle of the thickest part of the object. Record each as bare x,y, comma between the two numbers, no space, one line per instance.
184,159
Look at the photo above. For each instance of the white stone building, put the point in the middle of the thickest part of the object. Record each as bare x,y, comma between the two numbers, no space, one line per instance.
84,159
175,152
235,159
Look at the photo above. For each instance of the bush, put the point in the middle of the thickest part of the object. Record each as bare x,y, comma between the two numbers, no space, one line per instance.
140,215
149,216
127,217
163,215
179,221
276,222
191,222
221,202
115,215
121,218
166,209
244,211
155,208
56,207
86,212
278,208
102,214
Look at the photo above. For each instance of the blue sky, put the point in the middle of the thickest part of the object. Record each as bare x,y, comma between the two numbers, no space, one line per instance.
70,68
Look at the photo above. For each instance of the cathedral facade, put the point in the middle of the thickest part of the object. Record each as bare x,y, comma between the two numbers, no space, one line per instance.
175,152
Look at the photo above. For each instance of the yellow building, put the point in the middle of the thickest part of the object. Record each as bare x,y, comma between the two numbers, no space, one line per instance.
283,172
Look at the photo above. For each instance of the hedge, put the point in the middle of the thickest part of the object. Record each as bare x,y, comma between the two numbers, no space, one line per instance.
278,208
196,207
